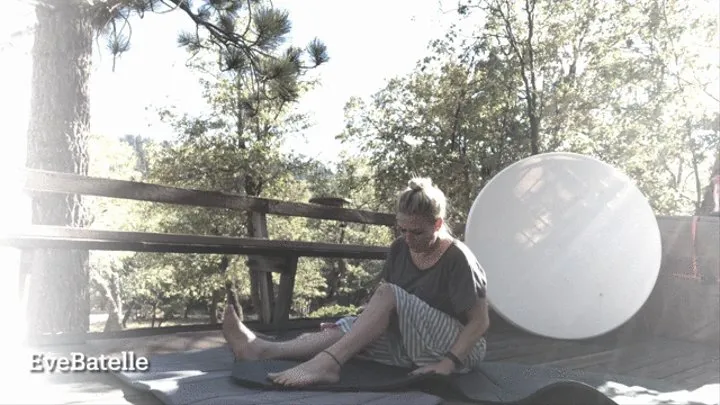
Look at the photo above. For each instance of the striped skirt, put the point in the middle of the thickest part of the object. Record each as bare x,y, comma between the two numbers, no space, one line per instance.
418,335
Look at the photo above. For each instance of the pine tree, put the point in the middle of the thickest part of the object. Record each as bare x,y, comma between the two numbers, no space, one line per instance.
243,33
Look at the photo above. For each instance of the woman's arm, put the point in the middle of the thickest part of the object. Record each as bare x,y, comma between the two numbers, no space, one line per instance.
478,322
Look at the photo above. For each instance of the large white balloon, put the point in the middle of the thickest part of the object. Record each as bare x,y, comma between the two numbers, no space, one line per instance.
570,246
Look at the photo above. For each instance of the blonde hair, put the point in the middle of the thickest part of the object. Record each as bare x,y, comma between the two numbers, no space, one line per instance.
422,198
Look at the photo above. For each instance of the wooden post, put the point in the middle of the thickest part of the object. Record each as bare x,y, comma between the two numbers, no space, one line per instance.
265,286
285,293
335,278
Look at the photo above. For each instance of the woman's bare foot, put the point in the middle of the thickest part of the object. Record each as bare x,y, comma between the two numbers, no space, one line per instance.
321,369
243,342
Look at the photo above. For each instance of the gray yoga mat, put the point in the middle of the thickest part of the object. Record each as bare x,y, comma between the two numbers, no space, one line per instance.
524,384
210,377
204,377
495,383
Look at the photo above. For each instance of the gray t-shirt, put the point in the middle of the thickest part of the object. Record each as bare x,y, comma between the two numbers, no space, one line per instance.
451,285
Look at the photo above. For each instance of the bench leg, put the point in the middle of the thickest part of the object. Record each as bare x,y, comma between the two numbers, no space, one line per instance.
285,294
265,287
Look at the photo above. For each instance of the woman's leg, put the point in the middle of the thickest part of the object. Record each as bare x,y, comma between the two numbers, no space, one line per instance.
387,349
325,367
247,346
427,334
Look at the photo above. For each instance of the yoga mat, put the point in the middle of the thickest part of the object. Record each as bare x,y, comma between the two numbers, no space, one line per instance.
204,376
356,375
494,383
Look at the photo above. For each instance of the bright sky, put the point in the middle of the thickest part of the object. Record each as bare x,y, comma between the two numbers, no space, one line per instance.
368,42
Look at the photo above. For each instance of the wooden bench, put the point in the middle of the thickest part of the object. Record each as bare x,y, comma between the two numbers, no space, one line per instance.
267,256
52,237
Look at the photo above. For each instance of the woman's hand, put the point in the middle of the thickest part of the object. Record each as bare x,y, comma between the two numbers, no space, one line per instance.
442,367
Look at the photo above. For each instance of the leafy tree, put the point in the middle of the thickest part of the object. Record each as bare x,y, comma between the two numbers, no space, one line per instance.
111,158
712,138
235,147
606,79
346,283
623,82
454,119
57,140
244,32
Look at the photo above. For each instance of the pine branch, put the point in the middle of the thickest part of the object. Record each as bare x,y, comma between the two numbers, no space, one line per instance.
269,75
171,8
318,51
228,39
267,25
249,22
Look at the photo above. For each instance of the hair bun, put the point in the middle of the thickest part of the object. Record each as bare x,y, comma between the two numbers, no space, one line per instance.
420,183
422,198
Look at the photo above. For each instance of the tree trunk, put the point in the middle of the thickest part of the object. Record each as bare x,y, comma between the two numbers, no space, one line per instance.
111,301
216,296
128,312
707,204
56,140
254,276
154,314
336,275
114,305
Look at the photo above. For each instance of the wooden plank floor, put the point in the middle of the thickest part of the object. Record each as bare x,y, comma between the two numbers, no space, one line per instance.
690,365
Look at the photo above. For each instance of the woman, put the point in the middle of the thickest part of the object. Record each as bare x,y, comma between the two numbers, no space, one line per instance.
429,312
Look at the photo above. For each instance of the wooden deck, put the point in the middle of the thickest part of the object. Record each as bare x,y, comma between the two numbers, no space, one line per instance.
691,365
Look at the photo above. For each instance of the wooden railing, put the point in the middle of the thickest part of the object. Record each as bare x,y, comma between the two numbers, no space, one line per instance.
265,256
53,182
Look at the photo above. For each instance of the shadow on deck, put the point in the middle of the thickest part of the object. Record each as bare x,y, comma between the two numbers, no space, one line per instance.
689,365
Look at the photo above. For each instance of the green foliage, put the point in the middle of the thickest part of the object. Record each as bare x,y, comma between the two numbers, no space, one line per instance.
250,82
335,311
235,149
623,83
438,122
111,158
627,84
245,35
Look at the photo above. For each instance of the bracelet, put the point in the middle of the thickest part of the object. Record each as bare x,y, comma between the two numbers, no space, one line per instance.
450,355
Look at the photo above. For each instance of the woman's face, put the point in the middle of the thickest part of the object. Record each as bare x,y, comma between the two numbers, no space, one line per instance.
419,232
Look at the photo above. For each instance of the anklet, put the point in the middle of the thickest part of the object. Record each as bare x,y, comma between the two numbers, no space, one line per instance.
333,357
